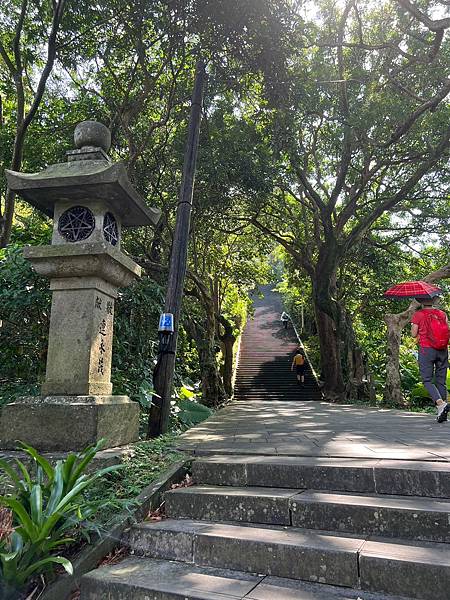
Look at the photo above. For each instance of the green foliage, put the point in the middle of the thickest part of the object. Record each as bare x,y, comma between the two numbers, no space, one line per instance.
11,390
47,508
142,465
24,311
135,338
192,413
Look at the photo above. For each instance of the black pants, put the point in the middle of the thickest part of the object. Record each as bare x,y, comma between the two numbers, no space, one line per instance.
434,363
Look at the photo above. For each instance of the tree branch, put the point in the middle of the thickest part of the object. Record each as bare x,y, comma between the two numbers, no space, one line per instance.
362,227
423,18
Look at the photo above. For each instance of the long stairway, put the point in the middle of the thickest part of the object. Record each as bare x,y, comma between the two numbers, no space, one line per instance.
291,528
264,367
294,500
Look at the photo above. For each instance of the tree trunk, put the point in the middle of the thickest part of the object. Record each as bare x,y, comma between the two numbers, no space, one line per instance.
324,293
393,387
213,392
228,340
10,196
344,368
358,382
330,356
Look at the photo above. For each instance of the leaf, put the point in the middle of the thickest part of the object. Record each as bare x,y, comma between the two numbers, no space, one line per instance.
51,559
86,457
46,466
26,475
21,514
185,392
36,504
57,490
192,413
9,470
68,467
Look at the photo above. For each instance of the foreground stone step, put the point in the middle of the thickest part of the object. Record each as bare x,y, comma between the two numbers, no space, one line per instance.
146,579
288,552
420,571
276,588
215,503
404,478
391,516
151,579
398,567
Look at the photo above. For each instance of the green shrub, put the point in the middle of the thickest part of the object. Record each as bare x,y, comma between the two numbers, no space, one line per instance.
45,509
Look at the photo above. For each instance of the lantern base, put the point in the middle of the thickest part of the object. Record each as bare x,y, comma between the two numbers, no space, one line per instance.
64,423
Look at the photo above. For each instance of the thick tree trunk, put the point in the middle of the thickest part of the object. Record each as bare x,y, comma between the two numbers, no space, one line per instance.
327,319
330,356
344,368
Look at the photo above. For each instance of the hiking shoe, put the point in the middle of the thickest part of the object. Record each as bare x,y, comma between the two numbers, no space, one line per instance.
443,414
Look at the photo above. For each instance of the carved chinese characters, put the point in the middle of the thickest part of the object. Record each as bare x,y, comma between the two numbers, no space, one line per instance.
104,310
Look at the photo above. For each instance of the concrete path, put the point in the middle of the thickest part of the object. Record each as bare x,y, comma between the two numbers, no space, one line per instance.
261,422
320,429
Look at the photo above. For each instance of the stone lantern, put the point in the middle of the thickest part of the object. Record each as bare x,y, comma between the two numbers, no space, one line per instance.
90,200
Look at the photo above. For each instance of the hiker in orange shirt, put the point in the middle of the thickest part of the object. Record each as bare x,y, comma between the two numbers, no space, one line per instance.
299,362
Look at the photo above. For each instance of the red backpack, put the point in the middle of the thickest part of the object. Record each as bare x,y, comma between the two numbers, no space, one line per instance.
437,330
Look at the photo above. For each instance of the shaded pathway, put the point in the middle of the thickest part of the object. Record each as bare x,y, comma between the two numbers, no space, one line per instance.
320,429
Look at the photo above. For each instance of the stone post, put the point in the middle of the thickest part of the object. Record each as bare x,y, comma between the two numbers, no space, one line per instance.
90,199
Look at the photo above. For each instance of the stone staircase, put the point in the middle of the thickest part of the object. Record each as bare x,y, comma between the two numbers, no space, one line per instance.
292,528
264,367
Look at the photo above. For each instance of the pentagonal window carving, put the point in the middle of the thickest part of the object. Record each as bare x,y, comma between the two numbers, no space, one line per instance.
76,224
110,229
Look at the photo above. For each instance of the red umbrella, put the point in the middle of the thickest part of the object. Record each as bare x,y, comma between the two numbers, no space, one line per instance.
413,289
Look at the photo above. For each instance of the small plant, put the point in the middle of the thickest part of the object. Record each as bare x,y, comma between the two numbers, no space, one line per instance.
186,409
42,514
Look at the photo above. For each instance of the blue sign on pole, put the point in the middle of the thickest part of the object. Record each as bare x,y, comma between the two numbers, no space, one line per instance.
166,322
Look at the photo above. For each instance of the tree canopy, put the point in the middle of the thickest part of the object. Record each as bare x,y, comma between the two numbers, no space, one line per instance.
323,167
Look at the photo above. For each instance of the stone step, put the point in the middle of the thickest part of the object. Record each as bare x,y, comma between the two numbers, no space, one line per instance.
257,384
259,377
283,552
274,389
216,503
392,477
295,392
390,516
137,578
268,395
277,588
150,579
287,396
420,571
411,569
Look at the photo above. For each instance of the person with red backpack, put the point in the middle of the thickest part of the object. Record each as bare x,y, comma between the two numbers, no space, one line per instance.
430,326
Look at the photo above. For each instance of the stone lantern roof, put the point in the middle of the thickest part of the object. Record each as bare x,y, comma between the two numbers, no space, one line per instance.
88,174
